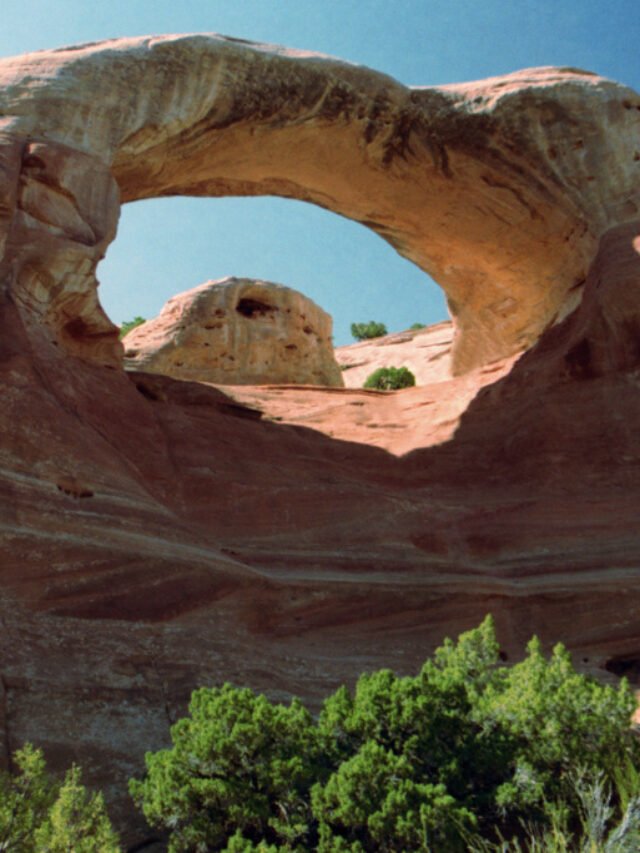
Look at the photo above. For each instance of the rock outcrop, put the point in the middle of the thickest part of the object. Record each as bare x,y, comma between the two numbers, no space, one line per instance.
157,534
426,352
496,188
238,331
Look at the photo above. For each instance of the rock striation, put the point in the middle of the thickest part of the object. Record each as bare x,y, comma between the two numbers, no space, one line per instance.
237,331
157,534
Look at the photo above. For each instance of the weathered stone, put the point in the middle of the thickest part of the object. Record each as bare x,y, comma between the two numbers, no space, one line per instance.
156,535
237,331
494,187
58,213
425,352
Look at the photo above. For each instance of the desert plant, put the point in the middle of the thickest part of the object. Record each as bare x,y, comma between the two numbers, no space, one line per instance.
128,325
39,813
365,331
240,768
417,326
390,379
468,754
602,828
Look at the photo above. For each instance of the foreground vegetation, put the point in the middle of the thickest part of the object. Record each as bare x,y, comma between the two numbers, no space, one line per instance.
39,814
469,755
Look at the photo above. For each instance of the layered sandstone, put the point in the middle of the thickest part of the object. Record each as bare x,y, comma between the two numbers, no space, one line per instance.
237,331
157,534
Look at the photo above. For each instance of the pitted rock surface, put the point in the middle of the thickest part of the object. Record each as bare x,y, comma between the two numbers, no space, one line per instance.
238,331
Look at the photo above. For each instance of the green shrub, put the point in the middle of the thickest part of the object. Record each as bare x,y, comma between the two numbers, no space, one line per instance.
38,813
602,827
240,767
128,325
467,755
366,331
390,379
417,326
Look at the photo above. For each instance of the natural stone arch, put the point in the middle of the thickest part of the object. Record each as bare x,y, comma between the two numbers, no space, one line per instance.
495,188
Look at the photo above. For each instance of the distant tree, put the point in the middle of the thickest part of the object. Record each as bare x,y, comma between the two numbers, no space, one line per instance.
390,379
365,331
126,327
39,813
417,326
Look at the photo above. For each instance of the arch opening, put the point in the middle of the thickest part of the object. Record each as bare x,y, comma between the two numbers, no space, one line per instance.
484,186
166,246
167,249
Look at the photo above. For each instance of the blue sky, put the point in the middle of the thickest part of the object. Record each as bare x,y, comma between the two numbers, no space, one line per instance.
169,245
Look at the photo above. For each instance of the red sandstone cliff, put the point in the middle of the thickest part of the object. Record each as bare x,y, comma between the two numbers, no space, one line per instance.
158,534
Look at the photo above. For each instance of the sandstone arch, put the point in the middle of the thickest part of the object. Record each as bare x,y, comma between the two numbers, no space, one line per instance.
495,188
166,536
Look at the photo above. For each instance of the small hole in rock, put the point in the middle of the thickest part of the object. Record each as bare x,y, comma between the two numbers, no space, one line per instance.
253,307
77,328
74,491
146,391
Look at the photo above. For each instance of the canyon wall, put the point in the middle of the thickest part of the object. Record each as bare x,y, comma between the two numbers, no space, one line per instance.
157,534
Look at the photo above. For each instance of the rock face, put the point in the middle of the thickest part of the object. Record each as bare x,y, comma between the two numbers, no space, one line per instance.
426,352
495,188
157,534
237,331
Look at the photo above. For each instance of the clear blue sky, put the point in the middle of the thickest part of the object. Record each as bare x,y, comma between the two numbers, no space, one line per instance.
169,245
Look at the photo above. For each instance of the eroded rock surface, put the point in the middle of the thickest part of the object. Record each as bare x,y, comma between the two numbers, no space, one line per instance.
238,331
158,534
58,213
500,189
426,352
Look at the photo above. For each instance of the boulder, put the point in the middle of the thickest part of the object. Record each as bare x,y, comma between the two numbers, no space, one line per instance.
237,331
